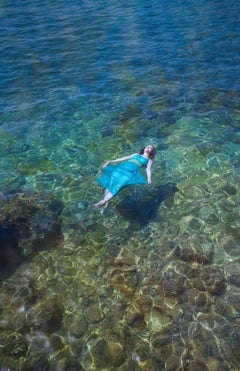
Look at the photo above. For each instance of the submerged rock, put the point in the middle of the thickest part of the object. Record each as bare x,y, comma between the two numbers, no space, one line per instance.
29,222
213,279
37,361
15,345
106,354
172,282
197,253
45,316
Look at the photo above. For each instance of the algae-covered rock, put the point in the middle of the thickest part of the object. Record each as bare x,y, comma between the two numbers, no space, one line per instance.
199,250
172,282
213,279
45,316
29,222
37,361
15,345
106,353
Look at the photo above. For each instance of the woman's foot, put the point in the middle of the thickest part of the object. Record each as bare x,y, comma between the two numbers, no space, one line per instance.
105,200
100,203
104,208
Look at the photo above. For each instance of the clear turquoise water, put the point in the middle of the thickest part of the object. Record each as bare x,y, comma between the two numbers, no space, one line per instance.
83,82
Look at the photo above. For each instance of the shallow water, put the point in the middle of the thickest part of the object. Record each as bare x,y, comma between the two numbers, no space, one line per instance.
153,283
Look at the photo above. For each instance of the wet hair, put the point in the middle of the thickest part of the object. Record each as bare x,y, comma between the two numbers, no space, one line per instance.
151,155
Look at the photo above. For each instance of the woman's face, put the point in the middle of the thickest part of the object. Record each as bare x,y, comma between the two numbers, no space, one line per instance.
149,149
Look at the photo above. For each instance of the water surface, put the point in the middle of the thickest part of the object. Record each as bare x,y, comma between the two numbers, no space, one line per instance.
89,81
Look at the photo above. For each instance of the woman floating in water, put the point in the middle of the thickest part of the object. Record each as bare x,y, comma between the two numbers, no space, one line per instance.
116,177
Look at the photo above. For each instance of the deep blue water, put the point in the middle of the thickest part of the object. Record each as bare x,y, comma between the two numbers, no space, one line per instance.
53,51
82,82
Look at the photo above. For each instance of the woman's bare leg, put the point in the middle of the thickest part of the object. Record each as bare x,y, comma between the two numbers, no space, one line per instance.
106,203
107,196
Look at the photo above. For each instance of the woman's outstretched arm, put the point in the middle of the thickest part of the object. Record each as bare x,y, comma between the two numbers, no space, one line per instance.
149,171
119,159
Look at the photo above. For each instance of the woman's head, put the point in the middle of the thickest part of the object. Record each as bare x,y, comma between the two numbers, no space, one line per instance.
151,151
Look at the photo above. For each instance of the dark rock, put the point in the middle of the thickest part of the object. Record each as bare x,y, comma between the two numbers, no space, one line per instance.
94,314
45,316
15,346
200,250
72,365
195,366
36,361
29,222
75,324
172,282
213,280
106,354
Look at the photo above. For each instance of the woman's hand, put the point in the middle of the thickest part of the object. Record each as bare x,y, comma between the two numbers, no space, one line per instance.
106,164
149,181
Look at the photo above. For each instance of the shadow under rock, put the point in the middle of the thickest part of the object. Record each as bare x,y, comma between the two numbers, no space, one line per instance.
10,254
142,207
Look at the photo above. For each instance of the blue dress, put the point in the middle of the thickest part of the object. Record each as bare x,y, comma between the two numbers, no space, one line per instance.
116,177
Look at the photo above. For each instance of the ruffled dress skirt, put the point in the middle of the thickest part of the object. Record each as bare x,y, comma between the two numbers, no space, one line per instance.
116,177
